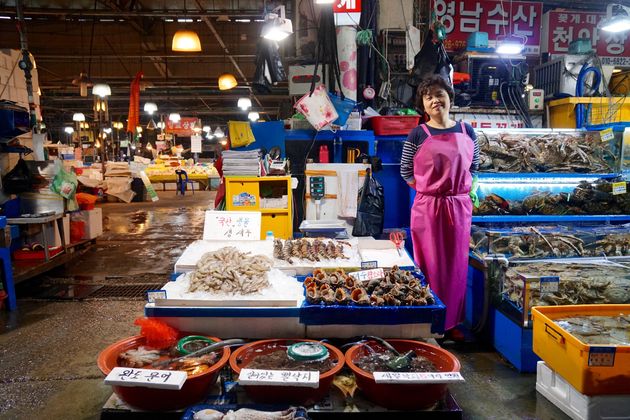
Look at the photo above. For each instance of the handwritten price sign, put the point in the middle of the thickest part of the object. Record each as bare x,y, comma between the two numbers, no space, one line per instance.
367,275
232,225
417,377
149,378
307,378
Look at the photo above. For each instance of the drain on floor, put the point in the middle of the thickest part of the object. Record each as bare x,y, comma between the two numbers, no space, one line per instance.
129,291
68,291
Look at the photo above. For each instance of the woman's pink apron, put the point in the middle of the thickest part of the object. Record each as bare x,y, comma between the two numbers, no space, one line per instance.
441,217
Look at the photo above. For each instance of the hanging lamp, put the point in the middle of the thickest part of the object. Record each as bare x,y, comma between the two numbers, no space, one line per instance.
68,130
244,103
150,107
227,81
219,133
174,117
78,116
253,116
101,89
84,82
186,41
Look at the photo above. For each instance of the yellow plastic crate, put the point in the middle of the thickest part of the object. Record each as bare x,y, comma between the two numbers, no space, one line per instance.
602,111
591,369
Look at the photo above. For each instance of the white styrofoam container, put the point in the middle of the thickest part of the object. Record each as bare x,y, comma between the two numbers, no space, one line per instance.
93,222
576,405
383,331
231,322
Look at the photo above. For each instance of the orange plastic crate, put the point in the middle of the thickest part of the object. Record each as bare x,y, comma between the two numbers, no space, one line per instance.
592,369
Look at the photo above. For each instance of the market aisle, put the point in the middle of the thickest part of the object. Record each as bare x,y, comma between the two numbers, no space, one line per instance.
48,348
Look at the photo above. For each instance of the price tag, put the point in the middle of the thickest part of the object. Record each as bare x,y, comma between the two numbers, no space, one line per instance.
232,225
619,188
601,356
607,134
301,378
149,378
417,377
195,144
367,265
549,284
153,295
366,275
124,143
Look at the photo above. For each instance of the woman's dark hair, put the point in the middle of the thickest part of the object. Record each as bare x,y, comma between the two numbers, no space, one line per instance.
428,84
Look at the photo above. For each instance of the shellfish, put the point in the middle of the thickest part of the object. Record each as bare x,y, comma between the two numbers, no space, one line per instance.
360,296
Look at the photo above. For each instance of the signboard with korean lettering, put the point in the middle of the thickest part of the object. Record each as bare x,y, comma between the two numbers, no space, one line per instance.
562,27
292,378
347,12
183,127
148,378
232,225
498,18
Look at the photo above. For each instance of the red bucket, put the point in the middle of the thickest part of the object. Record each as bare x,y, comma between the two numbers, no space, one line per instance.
285,394
194,390
403,396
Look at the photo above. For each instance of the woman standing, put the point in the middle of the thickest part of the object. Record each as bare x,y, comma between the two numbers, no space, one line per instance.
437,161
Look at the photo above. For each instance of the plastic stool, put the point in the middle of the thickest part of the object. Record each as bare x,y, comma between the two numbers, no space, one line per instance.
182,180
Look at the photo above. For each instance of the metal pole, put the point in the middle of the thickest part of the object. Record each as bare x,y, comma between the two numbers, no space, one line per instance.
26,64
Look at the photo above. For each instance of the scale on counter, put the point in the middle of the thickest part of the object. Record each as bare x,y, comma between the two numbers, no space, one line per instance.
328,228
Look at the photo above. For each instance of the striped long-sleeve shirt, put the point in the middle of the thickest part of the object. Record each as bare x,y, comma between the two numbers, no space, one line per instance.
418,136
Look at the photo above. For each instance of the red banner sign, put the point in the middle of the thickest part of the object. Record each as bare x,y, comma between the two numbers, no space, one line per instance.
347,6
498,18
184,127
562,27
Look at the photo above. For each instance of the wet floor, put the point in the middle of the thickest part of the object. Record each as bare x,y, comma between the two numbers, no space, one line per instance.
48,349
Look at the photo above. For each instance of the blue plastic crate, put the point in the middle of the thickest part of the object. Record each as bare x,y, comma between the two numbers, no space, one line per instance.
352,314
514,343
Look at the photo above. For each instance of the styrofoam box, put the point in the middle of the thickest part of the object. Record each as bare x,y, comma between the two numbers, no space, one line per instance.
576,405
231,322
94,223
383,331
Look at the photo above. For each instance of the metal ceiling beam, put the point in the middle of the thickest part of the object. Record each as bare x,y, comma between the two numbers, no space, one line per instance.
163,97
163,13
227,51
65,57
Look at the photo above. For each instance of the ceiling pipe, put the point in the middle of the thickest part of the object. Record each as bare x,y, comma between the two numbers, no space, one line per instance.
175,14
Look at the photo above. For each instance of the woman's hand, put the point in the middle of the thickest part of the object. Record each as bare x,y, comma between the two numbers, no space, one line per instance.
412,185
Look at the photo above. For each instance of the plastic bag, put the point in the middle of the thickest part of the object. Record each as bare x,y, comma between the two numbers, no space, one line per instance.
65,184
18,180
432,59
371,210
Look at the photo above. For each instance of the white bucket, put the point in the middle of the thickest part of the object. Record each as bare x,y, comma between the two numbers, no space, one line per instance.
317,108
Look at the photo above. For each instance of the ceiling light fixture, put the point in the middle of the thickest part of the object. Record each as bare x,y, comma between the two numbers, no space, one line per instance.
206,129
617,19
244,103
174,117
227,81
78,116
107,130
219,133
101,89
186,41
253,116
69,130
150,107
510,45
277,27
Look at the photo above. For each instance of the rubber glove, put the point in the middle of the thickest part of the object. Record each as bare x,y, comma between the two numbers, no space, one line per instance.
473,191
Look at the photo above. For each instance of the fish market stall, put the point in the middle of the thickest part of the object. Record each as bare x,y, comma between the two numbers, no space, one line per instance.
249,287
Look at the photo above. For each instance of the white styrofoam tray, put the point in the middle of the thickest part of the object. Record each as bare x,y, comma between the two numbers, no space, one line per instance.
283,291
191,255
576,405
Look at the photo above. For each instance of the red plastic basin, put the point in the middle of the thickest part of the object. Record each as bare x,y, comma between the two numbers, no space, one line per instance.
403,396
194,390
284,394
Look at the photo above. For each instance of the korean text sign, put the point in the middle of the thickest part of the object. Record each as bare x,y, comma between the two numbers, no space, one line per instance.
183,127
232,225
498,18
562,27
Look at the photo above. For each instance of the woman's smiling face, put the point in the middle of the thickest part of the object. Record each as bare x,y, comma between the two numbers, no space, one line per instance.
436,102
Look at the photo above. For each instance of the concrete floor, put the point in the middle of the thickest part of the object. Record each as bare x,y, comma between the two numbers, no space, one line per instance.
48,349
